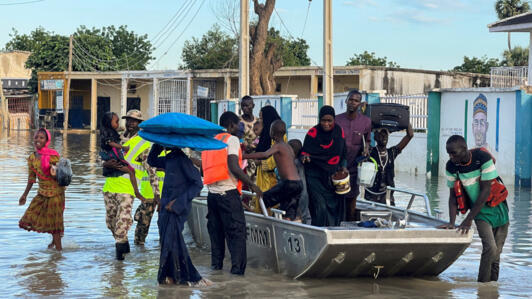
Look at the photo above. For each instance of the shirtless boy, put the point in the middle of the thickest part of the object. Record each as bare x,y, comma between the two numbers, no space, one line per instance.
288,189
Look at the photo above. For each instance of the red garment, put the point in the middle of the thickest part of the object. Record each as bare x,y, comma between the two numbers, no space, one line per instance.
46,152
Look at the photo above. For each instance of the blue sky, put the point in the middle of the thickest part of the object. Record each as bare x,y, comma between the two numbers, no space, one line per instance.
425,34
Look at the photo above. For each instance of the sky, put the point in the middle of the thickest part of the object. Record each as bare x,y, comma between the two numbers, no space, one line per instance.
420,34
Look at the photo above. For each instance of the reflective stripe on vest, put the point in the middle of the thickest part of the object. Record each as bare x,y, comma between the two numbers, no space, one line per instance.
214,163
137,146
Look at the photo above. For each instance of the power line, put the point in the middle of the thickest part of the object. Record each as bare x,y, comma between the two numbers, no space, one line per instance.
306,18
182,32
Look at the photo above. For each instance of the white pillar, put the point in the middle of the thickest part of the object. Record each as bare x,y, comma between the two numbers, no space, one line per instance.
123,102
530,60
227,87
190,96
155,98
327,53
243,62
94,104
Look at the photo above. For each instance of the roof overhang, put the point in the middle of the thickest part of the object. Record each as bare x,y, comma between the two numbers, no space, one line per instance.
518,23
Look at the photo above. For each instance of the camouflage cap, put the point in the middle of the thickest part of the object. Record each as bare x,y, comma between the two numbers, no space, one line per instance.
134,114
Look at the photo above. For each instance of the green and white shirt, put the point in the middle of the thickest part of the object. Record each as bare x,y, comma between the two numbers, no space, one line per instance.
481,168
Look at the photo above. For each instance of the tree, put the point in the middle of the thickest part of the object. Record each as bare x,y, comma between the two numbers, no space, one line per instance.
293,52
49,52
480,65
367,58
94,49
510,8
263,61
215,50
518,56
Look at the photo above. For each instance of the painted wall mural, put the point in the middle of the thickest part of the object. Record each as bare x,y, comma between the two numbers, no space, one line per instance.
486,118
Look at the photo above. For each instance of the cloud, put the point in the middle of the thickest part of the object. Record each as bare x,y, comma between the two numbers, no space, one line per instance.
411,15
360,3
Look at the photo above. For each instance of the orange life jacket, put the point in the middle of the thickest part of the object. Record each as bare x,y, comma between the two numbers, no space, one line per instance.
214,163
461,199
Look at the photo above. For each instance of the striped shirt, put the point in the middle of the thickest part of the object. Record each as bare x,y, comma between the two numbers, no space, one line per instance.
481,168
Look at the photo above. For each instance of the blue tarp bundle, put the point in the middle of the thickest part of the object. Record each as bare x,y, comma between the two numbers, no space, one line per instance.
181,130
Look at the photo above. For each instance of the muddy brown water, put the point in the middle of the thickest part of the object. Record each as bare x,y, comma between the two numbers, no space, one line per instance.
86,268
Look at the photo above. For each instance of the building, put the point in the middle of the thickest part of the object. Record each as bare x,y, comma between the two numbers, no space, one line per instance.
190,91
14,78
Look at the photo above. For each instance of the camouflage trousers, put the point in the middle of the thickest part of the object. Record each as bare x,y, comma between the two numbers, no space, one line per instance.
143,217
118,214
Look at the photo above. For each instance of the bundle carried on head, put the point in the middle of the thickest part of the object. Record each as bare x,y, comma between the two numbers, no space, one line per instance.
181,130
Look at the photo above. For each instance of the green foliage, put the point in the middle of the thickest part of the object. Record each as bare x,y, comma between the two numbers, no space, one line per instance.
217,50
480,65
106,49
368,58
110,49
293,52
510,8
517,57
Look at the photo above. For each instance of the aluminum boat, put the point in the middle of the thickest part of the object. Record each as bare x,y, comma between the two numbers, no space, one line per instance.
407,243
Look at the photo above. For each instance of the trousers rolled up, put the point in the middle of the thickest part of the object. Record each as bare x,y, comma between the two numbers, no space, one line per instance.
492,244
118,214
226,223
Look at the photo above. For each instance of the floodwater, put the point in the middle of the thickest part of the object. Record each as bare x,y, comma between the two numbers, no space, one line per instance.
87,265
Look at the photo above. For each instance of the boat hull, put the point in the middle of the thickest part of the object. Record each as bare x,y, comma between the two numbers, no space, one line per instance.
299,250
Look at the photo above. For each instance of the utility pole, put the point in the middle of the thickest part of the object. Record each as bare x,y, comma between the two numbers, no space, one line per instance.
5,109
243,61
66,96
328,88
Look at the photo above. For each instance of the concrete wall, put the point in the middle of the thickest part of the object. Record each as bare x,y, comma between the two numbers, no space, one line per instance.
299,85
413,159
12,64
457,118
404,81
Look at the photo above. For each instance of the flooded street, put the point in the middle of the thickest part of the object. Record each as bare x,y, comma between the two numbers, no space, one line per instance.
87,266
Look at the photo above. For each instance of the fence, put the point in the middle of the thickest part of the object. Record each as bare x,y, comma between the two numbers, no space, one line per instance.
304,112
418,104
508,76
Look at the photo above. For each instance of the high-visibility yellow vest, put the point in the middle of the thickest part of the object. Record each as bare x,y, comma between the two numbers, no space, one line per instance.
145,186
122,184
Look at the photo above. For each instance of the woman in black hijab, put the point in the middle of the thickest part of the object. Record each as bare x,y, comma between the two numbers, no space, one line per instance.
324,153
267,116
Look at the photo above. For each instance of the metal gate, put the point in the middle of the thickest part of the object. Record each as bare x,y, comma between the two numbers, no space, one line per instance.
172,96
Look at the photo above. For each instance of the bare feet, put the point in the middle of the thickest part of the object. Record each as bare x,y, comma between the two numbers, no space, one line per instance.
204,282
168,280
51,245
56,242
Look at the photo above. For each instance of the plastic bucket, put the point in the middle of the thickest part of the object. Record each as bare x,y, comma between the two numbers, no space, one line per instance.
341,183
366,173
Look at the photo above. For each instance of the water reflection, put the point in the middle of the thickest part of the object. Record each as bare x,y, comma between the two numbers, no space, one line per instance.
87,268
40,274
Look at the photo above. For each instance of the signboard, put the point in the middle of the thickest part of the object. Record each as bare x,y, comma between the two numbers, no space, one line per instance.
59,101
202,92
52,84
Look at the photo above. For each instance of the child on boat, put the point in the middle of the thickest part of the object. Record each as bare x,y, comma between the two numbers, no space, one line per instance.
289,188
385,158
303,212
111,149
45,213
